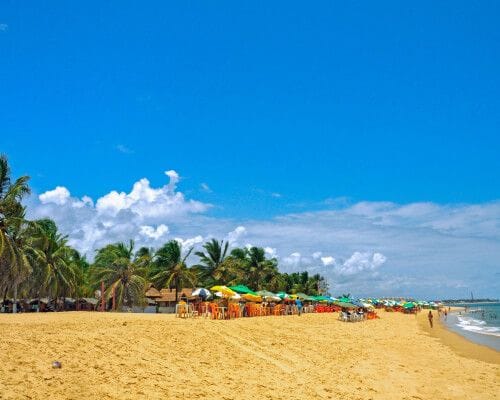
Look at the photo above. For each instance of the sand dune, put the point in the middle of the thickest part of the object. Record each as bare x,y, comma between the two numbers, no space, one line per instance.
134,356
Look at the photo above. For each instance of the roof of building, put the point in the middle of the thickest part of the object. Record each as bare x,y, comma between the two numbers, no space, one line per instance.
169,294
152,292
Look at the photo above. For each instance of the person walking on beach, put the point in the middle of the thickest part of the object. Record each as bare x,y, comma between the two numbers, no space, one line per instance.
445,314
298,303
430,317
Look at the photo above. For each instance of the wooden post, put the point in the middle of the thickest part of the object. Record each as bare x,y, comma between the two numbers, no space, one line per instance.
114,299
103,302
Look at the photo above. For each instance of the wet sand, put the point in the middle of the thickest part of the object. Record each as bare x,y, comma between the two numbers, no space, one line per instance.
137,356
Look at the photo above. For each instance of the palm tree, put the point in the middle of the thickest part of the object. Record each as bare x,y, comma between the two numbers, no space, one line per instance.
122,274
169,268
257,271
212,260
56,270
14,263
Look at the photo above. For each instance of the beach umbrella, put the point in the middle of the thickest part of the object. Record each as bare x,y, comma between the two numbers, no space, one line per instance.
344,299
202,292
344,304
235,296
251,297
242,289
226,292
265,293
408,304
282,295
323,299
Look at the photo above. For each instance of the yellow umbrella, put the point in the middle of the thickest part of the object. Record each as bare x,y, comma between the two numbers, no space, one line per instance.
251,297
224,290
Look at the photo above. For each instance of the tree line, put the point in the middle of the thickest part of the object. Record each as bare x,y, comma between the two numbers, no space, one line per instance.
37,261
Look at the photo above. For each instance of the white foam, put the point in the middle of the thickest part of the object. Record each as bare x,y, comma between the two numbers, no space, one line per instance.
477,326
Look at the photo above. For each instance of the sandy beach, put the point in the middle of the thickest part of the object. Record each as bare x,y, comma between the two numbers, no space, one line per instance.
137,356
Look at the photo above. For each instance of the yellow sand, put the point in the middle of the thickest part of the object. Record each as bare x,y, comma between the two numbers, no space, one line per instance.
133,356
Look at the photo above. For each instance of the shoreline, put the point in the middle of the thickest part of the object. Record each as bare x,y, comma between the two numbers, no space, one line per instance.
458,343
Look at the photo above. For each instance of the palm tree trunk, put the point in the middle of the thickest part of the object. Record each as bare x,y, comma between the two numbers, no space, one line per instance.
14,305
176,290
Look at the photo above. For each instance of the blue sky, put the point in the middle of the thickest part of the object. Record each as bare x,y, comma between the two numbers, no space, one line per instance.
275,108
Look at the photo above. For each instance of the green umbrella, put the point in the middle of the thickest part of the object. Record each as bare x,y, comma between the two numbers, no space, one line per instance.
242,289
266,293
322,298
408,305
344,304
282,295
344,299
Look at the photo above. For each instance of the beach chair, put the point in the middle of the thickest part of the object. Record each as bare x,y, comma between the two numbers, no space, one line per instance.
343,316
214,310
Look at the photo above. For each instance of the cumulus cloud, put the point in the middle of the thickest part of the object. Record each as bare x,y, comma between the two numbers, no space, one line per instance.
149,202
142,214
152,232
270,252
329,260
60,195
358,263
233,236
189,242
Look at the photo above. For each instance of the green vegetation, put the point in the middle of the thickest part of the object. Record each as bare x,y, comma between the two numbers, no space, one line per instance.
36,261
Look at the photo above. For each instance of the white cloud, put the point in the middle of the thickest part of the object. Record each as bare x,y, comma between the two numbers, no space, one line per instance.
174,180
329,260
118,216
149,202
358,263
270,252
152,232
317,254
276,195
4,27
233,236
59,196
190,242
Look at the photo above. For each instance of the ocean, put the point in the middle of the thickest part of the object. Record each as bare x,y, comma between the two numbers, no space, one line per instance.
480,324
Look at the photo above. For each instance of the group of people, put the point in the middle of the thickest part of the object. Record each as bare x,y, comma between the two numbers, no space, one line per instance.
430,317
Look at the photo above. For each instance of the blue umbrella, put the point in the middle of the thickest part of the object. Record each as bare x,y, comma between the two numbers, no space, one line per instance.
202,292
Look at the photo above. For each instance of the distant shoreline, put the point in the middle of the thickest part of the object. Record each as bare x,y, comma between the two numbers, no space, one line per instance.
458,343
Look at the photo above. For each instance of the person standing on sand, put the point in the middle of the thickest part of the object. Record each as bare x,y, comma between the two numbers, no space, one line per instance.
430,317
445,314
298,303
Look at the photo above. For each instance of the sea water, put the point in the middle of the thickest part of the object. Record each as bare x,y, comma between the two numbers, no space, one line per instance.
480,323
